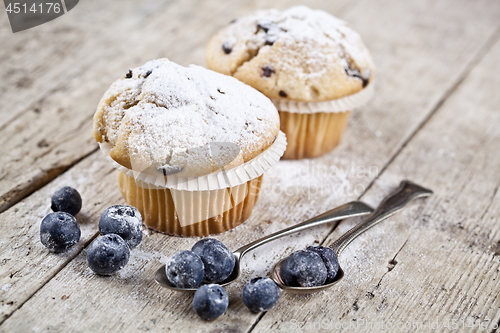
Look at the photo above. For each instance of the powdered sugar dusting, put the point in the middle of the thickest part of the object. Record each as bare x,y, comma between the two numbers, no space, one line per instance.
162,109
323,37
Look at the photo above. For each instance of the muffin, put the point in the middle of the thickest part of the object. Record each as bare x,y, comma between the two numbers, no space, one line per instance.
191,145
313,66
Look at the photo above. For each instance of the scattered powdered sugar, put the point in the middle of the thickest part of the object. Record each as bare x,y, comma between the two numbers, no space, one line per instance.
138,259
162,110
322,36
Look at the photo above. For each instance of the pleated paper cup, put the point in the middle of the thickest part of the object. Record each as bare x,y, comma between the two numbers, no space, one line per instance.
316,128
198,206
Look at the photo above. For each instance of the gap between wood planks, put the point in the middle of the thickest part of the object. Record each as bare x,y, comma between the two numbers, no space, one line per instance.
482,52
22,191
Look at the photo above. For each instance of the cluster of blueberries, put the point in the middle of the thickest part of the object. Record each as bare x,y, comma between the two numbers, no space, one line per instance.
211,262
315,266
120,227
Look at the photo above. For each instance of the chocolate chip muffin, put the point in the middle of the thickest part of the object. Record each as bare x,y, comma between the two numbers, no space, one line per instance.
307,62
176,135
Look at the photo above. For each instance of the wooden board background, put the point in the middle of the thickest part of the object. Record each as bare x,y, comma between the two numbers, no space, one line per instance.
434,119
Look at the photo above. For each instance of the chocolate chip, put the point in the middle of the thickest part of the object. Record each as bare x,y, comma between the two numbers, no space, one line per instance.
264,25
270,39
227,47
355,73
282,93
148,73
267,71
129,74
220,91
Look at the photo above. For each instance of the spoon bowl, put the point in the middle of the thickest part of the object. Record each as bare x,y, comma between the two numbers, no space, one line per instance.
351,209
276,277
406,192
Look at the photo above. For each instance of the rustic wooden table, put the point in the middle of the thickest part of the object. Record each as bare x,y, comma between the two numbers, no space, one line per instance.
435,120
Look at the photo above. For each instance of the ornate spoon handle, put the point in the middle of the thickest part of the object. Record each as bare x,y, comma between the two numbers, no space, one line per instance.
351,209
406,192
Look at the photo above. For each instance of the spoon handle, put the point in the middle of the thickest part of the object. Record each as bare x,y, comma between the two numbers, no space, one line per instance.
406,192
351,209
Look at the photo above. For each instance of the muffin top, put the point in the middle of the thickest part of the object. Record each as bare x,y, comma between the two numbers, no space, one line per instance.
187,121
299,54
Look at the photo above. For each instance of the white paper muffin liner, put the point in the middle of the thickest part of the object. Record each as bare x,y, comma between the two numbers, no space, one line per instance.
217,180
343,104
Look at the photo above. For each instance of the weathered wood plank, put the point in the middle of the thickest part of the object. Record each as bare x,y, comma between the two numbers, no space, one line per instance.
43,59
437,262
18,277
44,131
90,296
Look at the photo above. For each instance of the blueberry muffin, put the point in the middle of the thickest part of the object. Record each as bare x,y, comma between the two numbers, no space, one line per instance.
313,66
176,133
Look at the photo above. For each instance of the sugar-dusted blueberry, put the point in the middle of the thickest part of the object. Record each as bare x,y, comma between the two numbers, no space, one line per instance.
218,260
227,47
260,294
67,199
210,301
108,254
185,270
123,220
59,231
303,268
329,259
267,71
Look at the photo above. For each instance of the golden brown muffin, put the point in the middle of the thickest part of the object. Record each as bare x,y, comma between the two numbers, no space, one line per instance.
299,54
165,116
304,60
176,133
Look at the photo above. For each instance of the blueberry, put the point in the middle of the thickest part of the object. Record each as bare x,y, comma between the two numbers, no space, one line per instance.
185,270
210,301
67,199
59,231
329,259
303,268
260,294
107,254
218,260
123,220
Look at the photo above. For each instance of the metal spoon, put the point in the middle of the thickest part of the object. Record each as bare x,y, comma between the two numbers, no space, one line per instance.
406,192
351,209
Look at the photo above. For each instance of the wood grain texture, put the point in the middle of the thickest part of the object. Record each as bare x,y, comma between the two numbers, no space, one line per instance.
437,262
426,268
53,114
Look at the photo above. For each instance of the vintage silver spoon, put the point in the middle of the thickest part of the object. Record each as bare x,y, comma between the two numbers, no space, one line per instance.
351,209
406,192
